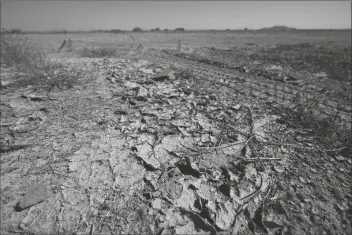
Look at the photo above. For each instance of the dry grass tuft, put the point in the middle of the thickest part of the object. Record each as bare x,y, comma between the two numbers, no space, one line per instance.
18,53
97,52
331,131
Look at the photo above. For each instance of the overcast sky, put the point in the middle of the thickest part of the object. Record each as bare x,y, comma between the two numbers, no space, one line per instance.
88,15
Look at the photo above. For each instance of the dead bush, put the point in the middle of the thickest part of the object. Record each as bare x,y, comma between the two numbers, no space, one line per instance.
16,51
97,52
39,71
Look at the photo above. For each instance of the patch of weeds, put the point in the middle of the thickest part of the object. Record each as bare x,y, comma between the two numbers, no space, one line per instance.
97,52
20,55
129,216
328,131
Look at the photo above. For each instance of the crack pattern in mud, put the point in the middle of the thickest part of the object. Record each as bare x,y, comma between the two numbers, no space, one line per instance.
143,155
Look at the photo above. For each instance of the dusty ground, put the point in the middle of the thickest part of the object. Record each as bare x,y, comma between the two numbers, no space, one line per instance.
215,149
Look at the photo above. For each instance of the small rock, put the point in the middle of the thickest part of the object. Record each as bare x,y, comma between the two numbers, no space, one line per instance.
36,195
5,83
146,70
174,173
302,218
302,179
132,85
36,98
156,204
271,224
165,74
23,128
279,208
278,169
315,219
281,186
290,194
236,107
123,118
301,197
142,92
225,216
340,206
145,152
45,110
340,158
111,79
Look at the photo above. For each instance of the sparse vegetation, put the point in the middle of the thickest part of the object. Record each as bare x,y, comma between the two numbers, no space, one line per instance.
40,72
259,130
179,29
97,52
137,29
115,31
18,31
329,132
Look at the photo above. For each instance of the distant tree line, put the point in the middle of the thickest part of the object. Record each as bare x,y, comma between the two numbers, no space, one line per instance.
11,31
179,29
138,29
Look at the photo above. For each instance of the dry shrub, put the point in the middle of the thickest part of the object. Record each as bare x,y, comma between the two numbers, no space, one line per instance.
18,53
97,52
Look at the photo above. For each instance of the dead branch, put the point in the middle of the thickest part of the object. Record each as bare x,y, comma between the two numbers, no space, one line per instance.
257,189
262,158
333,150
288,145
246,142
224,146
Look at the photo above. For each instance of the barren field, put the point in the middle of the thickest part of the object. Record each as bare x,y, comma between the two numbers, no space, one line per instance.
176,133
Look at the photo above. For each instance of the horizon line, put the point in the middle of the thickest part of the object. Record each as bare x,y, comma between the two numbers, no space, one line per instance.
173,30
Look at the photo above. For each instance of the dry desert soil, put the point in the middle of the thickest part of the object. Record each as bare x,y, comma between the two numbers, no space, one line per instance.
179,133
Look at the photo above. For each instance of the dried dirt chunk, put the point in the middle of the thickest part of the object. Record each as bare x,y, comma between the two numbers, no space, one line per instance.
163,75
340,158
36,195
145,152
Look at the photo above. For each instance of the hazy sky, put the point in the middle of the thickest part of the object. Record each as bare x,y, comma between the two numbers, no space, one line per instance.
87,15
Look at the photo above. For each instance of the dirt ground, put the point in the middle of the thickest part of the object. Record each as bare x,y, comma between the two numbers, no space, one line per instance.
249,134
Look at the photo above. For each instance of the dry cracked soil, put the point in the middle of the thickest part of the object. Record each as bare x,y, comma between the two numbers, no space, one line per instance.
197,141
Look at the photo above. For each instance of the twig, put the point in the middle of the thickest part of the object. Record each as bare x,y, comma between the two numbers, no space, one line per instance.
264,158
301,147
205,152
8,124
257,190
332,150
194,150
224,146
288,145
216,148
246,143
101,220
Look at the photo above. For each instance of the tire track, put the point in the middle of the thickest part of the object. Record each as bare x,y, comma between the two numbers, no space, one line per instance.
259,88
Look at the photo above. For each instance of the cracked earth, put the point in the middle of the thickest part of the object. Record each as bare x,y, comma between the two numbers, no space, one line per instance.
176,142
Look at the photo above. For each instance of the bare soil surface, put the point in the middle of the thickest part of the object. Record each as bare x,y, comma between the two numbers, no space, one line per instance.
217,146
